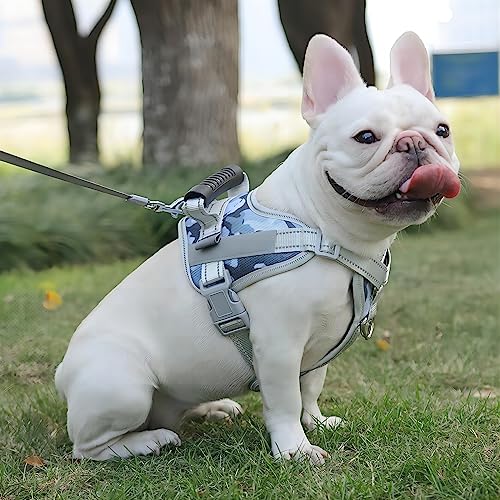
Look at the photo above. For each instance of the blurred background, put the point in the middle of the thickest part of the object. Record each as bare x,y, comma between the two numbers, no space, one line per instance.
151,96
32,97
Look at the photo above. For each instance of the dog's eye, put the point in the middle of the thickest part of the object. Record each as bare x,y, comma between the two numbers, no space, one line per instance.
365,137
443,130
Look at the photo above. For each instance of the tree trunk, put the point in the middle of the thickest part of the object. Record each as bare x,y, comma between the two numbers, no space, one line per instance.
362,44
77,59
190,81
343,20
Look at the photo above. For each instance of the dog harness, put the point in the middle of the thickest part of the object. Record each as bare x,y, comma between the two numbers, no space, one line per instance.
232,243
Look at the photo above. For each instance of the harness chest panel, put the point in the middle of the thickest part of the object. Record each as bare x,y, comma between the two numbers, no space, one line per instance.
241,217
233,243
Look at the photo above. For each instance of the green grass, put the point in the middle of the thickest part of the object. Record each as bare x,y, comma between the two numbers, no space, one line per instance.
415,426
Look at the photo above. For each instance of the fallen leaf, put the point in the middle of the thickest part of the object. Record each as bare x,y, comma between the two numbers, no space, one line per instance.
384,344
52,300
34,461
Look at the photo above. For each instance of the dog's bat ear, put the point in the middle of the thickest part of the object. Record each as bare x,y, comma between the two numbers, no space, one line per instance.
410,64
329,75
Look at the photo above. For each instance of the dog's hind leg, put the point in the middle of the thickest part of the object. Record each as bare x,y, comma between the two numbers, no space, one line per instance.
311,386
108,408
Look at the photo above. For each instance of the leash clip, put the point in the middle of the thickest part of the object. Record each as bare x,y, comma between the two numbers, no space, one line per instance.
174,208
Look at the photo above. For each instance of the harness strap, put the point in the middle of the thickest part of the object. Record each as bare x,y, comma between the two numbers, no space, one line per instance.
242,342
361,316
290,240
308,239
228,312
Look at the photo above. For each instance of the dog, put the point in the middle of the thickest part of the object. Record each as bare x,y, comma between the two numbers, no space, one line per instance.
148,357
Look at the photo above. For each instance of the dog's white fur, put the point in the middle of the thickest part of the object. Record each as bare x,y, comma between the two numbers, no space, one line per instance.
148,356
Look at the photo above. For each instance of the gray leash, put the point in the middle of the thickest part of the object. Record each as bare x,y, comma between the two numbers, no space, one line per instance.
156,206
208,189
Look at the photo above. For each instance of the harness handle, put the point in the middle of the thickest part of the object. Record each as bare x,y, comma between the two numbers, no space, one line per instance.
216,184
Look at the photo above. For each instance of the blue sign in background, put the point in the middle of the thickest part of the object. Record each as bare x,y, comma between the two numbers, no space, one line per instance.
465,74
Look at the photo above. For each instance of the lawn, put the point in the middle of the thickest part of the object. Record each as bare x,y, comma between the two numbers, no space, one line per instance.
422,418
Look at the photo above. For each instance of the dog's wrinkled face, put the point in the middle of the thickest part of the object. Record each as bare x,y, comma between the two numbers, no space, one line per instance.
388,153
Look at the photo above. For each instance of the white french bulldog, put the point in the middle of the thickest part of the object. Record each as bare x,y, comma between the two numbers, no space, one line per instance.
148,356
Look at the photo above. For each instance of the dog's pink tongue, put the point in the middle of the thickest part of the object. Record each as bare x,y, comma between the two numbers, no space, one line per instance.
429,180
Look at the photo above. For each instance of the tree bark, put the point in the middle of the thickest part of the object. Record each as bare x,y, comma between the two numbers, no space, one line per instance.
343,20
190,54
362,44
77,59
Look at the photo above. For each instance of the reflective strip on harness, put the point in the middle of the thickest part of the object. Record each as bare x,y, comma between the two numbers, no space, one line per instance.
288,240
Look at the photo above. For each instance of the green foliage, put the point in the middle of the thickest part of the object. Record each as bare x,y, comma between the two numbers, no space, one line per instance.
418,419
44,222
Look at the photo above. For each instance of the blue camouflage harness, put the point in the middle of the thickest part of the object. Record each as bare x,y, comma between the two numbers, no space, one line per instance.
236,242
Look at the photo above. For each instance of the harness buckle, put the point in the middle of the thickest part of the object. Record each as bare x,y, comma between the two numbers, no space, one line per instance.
326,249
226,309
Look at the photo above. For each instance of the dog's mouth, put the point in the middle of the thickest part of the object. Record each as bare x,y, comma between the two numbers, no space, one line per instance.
426,187
382,203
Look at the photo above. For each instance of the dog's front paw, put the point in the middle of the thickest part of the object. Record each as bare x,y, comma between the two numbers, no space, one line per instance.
297,447
314,454
312,422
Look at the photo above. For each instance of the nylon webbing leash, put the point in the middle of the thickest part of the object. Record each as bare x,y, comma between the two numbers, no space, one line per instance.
156,206
208,190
